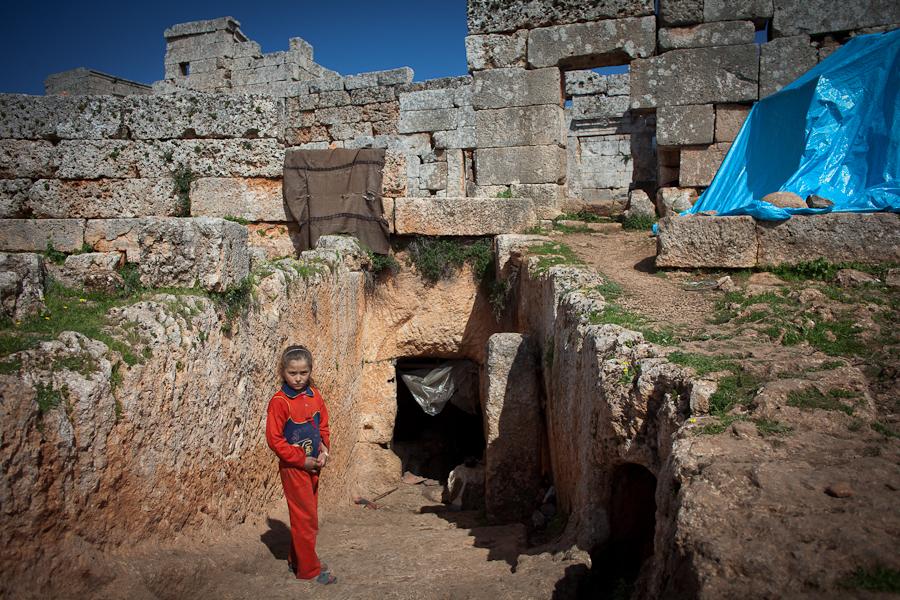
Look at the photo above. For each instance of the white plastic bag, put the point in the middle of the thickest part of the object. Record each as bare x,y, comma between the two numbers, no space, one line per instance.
432,388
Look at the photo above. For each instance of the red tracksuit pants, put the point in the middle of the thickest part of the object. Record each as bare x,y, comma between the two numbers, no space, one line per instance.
301,489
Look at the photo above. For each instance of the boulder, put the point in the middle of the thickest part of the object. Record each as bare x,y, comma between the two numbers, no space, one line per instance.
784,200
695,241
21,285
639,205
816,201
854,278
671,201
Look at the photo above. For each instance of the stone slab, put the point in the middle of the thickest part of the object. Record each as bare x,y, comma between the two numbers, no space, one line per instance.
699,165
26,158
187,115
502,88
520,164
246,198
727,33
685,125
699,241
14,198
582,45
487,16
33,235
696,76
680,12
114,235
60,117
493,51
21,285
736,10
520,126
439,119
782,60
462,216
811,17
729,120
103,198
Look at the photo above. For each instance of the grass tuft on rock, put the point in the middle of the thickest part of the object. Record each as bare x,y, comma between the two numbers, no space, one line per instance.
876,579
440,258
812,399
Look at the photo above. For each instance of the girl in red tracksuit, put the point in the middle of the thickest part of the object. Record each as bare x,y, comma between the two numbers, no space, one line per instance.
297,431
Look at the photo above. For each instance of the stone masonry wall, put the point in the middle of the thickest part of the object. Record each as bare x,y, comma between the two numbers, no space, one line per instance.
83,81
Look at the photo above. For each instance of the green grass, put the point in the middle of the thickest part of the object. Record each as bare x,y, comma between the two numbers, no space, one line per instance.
885,430
722,423
440,258
182,177
238,220
507,193
877,579
54,255
610,289
384,263
638,222
563,228
584,216
737,389
768,427
48,398
552,254
10,366
812,399
823,270
702,364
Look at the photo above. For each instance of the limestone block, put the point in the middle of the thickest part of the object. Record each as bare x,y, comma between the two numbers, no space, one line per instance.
520,164
336,98
33,235
399,76
65,117
699,165
684,125
673,200
433,176
502,88
349,131
462,216
509,246
202,115
251,199
339,114
585,82
600,107
820,16
87,261
695,76
494,51
782,60
25,158
439,119
838,237
729,119
520,126
546,197
462,137
373,94
393,176
114,235
361,80
273,240
487,16
103,198
639,205
185,252
426,99
736,10
680,12
325,84
512,425
582,45
699,241
21,285
728,33
14,198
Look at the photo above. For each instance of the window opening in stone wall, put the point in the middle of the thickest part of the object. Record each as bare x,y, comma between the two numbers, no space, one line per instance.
185,68
432,446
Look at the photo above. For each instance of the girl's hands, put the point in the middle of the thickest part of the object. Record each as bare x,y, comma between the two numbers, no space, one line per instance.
323,456
310,464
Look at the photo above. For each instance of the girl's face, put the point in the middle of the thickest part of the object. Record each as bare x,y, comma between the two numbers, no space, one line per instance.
296,373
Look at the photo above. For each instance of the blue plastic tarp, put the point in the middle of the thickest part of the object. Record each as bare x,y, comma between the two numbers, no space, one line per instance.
834,132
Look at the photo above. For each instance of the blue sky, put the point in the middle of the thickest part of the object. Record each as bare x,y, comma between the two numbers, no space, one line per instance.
39,38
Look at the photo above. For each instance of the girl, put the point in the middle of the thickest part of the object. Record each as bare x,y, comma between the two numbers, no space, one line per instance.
297,431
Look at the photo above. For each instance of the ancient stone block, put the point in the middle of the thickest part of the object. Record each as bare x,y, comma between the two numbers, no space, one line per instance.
680,12
251,199
433,176
546,197
793,17
496,51
782,60
838,237
426,100
103,198
66,117
21,285
370,95
439,119
520,126
699,165
202,115
361,80
462,216
24,158
336,98
698,241
114,235
339,114
736,10
184,252
673,200
684,125
33,235
462,137
397,76
512,423
349,131
695,76
599,107
584,82
325,84
639,205
729,119
14,198
275,239
728,33
520,164
485,16
501,88
581,45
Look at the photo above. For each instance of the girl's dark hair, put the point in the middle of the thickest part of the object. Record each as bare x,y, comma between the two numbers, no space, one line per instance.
296,352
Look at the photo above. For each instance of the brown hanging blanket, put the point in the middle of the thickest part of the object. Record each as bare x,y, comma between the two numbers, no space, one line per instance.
337,191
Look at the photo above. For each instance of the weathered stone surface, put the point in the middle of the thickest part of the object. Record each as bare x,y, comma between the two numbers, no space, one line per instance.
520,126
90,270
680,12
187,115
485,16
398,76
103,198
496,51
21,285
251,199
546,197
729,120
695,76
502,88
582,45
203,251
784,200
439,119
66,117
599,107
816,201
639,205
684,125
510,246
512,422
698,241
728,33
585,82
427,99
782,60
520,164
33,235
376,470
23,158
736,10
14,198
433,176
820,16
114,235
838,237
106,261
462,216
699,165
673,200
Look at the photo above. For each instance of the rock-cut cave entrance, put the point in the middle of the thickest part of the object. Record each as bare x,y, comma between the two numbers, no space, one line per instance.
433,445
